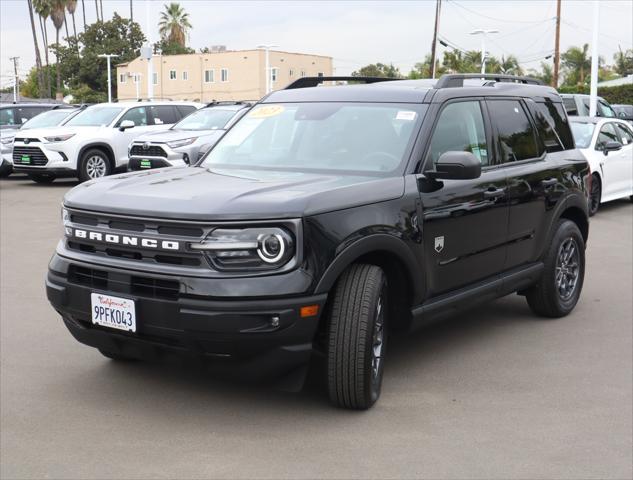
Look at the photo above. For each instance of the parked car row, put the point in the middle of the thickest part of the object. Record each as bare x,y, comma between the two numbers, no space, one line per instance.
95,141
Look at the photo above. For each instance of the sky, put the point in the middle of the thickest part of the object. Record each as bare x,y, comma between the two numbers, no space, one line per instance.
355,33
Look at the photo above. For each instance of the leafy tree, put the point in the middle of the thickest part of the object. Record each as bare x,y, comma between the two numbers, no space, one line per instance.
30,86
624,62
174,24
378,70
167,47
423,69
84,94
545,75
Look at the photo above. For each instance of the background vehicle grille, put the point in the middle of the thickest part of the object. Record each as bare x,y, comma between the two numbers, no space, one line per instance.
35,155
152,151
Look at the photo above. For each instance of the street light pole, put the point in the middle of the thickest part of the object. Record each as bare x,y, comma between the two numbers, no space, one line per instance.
108,56
268,69
483,34
593,89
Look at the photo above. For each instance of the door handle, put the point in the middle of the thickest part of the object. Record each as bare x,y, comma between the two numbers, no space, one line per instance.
549,182
494,193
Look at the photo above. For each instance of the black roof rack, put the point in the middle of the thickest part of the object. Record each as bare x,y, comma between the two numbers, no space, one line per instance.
215,103
457,79
305,82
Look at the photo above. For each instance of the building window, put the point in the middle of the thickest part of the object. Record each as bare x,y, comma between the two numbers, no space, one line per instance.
291,73
122,78
172,74
303,73
274,73
185,75
136,77
154,78
320,74
209,76
224,77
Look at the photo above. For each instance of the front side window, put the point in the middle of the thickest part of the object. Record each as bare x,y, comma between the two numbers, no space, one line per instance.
206,119
460,128
138,115
371,138
95,117
225,75
172,74
583,133
607,134
625,134
515,133
7,116
570,106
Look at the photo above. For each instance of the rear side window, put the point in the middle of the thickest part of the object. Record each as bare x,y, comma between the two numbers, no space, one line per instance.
138,115
164,114
7,116
460,128
625,134
515,133
553,126
607,134
185,110
570,106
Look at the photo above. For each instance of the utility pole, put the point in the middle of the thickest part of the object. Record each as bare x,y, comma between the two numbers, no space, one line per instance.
267,68
438,7
108,56
147,52
16,84
557,47
483,34
593,93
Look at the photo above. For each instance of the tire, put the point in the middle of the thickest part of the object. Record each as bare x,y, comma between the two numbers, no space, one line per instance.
5,169
43,178
357,336
595,195
116,356
94,164
558,290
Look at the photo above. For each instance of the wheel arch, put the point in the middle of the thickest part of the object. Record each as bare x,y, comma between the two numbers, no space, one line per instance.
104,147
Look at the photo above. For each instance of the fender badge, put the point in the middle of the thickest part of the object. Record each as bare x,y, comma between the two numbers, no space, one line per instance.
439,244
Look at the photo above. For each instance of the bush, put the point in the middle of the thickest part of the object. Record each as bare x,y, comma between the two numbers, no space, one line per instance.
84,94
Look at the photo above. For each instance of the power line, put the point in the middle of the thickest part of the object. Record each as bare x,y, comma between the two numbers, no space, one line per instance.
494,18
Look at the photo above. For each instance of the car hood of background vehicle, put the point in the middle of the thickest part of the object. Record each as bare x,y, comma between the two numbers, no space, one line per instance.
172,135
56,131
198,193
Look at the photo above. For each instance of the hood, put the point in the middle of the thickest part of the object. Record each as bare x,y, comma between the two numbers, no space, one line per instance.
198,193
172,135
53,131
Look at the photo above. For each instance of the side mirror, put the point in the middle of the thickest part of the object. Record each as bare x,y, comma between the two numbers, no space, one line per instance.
611,147
456,166
125,124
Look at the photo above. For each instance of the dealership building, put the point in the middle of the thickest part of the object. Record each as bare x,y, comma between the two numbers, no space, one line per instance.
218,75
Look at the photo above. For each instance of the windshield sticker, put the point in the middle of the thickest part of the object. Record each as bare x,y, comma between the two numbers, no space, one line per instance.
266,111
406,115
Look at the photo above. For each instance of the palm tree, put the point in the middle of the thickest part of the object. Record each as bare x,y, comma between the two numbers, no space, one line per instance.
510,65
97,9
577,62
101,4
131,12
58,9
38,58
174,24
623,61
83,11
71,6
43,10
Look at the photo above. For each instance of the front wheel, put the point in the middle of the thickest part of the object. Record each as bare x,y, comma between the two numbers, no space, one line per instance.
5,169
94,164
357,336
558,290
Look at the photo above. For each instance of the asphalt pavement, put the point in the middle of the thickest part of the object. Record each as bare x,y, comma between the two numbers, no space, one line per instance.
493,394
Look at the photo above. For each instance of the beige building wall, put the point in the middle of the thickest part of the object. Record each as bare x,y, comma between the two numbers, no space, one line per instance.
243,79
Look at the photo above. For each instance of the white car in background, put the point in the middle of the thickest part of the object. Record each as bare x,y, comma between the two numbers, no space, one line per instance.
607,143
95,142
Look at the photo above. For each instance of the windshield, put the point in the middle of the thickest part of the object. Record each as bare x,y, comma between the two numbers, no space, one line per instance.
205,119
95,117
582,133
366,137
47,119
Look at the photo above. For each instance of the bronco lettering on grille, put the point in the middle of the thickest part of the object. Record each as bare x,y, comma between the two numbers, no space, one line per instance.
117,239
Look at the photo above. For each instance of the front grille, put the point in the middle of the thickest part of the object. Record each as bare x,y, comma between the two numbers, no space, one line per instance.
27,140
151,151
28,156
123,283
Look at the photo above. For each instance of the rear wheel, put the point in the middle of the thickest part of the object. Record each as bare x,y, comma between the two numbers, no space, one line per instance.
94,164
595,196
558,289
357,336
42,177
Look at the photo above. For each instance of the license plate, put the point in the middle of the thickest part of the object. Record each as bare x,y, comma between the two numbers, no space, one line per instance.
146,164
26,159
113,312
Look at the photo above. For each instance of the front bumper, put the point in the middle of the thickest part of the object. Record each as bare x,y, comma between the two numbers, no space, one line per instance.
168,157
43,158
240,332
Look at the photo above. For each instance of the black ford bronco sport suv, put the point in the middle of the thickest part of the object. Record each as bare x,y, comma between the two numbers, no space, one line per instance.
326,218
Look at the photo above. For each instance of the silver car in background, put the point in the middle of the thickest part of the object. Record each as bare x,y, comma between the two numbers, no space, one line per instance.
186,141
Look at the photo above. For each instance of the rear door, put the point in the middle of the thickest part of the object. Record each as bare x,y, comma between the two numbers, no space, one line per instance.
465,221
533,183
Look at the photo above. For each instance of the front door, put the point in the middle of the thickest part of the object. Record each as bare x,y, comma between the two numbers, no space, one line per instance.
464,221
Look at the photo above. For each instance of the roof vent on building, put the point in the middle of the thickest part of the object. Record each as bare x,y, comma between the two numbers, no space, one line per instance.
218,48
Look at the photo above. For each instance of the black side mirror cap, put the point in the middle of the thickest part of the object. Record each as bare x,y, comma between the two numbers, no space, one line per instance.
611,147
456,166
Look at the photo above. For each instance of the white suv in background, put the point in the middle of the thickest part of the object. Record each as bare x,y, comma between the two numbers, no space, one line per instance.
95,142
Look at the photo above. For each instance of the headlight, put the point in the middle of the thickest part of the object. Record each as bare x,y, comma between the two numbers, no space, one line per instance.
249,248
65,222
59,138
6,140
181,143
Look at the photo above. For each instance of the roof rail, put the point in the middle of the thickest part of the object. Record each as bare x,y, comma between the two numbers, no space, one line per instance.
215,103
305,82
457,79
